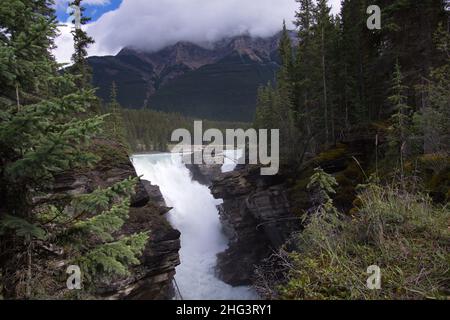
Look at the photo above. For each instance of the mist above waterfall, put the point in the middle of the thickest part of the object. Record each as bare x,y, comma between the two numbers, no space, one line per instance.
195,215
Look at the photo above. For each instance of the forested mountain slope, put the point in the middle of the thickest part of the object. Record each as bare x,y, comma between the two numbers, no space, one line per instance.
218,81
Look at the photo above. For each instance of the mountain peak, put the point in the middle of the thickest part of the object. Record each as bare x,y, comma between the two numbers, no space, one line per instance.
229,72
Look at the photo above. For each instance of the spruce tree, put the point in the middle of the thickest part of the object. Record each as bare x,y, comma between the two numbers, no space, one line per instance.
323,185
115,118
286,73
264,112
275,107
323,34
314,91
43,133
431,120
335,78
304,22
307,72
400,120
354,31
82,41
86,228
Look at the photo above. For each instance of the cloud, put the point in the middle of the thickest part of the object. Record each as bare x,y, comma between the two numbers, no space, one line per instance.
64,45
153,24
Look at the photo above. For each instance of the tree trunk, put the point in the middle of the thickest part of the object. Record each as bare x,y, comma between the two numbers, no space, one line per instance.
325,98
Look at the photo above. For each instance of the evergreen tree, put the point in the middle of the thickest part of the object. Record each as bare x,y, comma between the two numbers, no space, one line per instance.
408,34
323,35
335,79
24,42
286,74
431,121
275,107
400,120
43,133
323,184
82,41
115,117
407,37
315,94
264,112
305,68
86,229
355,49
305,20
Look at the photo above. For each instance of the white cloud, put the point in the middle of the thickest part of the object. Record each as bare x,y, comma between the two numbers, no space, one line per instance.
64,45
151,25
154,24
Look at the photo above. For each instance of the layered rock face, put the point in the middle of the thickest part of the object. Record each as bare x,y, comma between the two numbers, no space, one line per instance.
256,216
204,174
152,279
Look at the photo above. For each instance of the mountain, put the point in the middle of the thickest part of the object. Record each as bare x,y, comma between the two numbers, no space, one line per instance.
217,81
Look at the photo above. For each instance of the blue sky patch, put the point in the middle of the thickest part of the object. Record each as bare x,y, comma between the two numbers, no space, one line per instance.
92,11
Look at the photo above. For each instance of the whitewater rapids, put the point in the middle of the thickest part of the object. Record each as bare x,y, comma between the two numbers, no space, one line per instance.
196,216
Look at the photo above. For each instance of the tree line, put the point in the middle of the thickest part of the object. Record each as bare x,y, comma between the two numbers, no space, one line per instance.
146,130
343,77
344,84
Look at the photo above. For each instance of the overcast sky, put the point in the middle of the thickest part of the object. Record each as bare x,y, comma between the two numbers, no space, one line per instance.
154,24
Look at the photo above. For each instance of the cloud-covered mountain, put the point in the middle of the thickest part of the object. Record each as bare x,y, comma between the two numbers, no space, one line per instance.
156,24
215,82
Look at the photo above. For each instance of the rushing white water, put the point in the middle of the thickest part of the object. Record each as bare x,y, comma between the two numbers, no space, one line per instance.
195,216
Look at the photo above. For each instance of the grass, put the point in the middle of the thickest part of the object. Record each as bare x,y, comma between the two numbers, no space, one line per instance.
402,233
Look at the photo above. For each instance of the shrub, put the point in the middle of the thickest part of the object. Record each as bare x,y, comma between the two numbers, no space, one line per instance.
403,234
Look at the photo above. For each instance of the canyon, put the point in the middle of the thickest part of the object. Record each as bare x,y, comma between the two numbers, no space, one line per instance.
211,226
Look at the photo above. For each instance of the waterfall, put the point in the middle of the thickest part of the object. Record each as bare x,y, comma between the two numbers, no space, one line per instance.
195,215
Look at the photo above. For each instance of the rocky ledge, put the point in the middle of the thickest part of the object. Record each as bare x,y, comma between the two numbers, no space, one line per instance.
204,174
256,216
152,279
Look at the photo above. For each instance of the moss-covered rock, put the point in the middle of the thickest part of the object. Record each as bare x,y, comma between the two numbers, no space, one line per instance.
343,161
110,154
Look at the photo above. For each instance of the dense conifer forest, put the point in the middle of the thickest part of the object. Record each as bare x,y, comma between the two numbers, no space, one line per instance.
385,93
